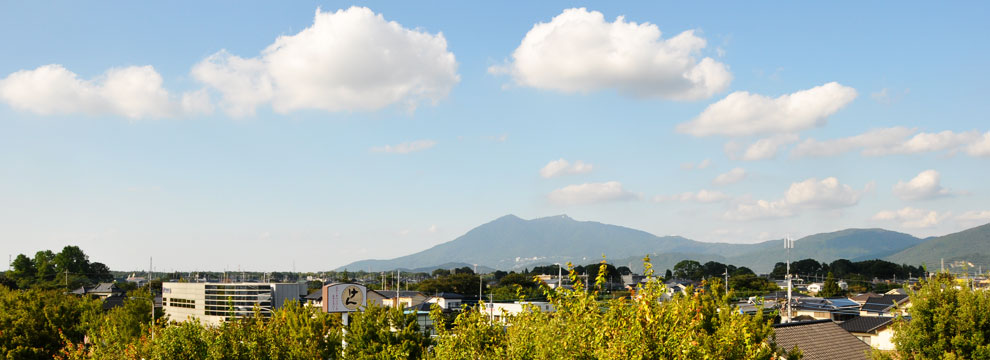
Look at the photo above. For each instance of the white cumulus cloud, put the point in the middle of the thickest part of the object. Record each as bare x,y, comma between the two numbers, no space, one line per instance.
742,113
133,92
980,147
348,60
898,140
702,196
812,193
762,149
579,51
869,141
975,217
910,217
926,185
406,147
733,176
591,193
563,167
928,142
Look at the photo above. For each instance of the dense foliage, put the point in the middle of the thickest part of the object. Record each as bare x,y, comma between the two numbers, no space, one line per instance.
700,325
948,320
69,268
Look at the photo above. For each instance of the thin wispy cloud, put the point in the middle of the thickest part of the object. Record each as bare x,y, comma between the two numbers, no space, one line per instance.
406,147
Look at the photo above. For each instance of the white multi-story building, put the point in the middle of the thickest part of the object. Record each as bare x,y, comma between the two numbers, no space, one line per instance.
213,303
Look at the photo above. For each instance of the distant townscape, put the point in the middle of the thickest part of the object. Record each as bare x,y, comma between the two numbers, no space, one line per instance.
793,305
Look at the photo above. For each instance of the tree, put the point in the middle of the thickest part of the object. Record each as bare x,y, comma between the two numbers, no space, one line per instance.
831,288
581,327
623,270
946,322
370,335
35,323
688,269
441,272
668,275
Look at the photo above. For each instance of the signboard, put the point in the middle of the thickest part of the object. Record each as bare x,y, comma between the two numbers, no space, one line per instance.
344,297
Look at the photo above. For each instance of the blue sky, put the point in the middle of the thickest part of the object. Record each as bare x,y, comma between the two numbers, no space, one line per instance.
377,129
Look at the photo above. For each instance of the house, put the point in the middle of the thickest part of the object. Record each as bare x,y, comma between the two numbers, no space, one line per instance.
631,280
447,301
861,298
137,280
314,299
497,311
423,319
875,331
402,298
836,309
885,305
100,291
820,340
814,288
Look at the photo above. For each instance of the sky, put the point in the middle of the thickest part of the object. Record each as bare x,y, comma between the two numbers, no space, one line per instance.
307,135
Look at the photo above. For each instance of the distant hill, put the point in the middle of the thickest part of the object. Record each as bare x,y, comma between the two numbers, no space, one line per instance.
512,243
971,245
851,244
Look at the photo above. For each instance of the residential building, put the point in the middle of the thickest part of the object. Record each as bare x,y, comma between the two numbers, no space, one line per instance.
100,291
876,331
885,305
836,309
447,301
497,311
820,340
213,303
314,299
402,298
814,288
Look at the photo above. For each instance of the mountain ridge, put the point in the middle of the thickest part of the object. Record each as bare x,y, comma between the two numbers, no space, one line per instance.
512,243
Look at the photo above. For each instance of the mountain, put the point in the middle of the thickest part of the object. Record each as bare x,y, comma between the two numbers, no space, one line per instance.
512,243
971,245
851,244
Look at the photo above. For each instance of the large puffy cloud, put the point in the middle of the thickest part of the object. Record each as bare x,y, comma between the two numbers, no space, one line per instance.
812,193
406,147
898,140
591,193
563,167
349,60
924,186
134,92
579,51
910,217
732,176
742,113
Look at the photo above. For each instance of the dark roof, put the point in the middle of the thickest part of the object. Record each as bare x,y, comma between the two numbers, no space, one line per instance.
449,295
389,294
113,301
866,324
101,288
820,340
862,297
316,295
883,303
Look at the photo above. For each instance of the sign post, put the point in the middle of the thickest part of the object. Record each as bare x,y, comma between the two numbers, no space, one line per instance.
344,299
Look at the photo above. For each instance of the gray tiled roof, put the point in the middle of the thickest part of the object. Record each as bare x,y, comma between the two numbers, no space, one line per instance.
820,340
866,324
389,294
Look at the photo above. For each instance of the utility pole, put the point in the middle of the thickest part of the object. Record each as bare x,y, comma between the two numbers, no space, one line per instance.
726,281
788,244
479,283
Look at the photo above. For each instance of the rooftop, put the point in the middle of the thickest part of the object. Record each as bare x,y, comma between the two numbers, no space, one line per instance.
820,340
